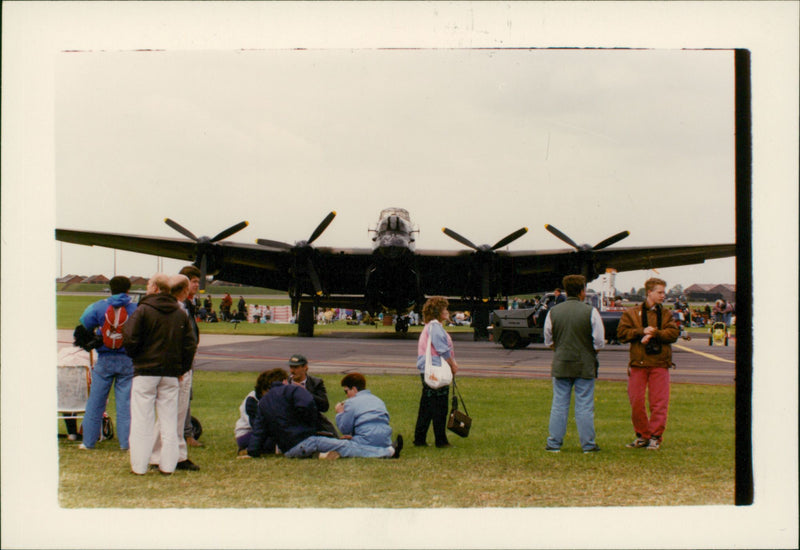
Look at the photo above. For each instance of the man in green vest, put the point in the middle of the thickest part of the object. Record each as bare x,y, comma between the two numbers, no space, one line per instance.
575,330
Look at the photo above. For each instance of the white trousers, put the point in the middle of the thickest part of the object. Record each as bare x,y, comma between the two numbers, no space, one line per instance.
151,396
184,392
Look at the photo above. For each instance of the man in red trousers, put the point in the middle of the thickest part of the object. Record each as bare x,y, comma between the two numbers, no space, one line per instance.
650,329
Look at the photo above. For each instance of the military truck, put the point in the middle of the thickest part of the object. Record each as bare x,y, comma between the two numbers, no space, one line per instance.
517,328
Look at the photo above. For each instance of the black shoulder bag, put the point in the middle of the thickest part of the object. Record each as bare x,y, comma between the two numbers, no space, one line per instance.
458,422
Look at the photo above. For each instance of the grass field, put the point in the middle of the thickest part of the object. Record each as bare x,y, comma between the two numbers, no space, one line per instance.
501,464
70,308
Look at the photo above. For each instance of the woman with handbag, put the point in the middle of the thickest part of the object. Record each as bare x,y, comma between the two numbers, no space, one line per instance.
435,349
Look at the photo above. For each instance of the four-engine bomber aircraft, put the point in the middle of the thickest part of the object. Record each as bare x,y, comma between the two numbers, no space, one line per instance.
393,274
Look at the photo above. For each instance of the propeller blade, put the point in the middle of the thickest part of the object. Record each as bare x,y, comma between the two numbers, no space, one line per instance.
203,270
321,227
485,282
230,231
312,273
463,240
274,244
180,229
611,240
510,238
561,236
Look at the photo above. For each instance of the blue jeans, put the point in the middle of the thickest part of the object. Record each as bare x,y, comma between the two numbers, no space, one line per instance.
116,368
345,447
584,411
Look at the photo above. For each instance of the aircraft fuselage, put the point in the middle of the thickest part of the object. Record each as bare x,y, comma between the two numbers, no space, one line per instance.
393,279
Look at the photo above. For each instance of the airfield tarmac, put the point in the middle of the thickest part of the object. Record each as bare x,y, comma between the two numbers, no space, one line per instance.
387,353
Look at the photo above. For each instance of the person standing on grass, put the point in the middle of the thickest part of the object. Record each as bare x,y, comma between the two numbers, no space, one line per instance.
650,329
161,342
575,330
113,367
180,287
433,403
194,275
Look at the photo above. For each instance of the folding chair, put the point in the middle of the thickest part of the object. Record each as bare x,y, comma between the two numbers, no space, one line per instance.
73,390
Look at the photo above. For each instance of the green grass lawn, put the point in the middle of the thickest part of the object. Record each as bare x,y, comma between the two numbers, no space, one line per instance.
501,464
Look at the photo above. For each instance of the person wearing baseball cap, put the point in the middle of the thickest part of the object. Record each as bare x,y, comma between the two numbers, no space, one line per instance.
298,368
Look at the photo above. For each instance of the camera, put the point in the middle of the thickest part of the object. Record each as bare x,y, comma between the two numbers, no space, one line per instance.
652,347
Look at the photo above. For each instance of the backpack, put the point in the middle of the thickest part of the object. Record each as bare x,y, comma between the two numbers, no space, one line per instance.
112,327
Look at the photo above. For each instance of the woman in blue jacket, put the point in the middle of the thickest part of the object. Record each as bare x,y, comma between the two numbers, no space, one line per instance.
364,420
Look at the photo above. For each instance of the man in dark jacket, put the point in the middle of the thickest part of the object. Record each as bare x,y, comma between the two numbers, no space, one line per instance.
180,287
575,329
298,367
161,342
286,414
194,275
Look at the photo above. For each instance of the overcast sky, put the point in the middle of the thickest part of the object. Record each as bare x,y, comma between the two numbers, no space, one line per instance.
482,141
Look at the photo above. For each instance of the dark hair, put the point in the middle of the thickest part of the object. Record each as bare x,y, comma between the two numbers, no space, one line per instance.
190,271
432,310
574,284
262,383
119,284
354,380
272,376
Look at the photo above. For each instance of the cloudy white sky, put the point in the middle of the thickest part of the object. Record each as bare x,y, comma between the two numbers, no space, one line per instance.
481,141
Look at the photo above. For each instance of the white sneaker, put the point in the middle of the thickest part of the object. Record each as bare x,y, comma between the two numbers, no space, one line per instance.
330,455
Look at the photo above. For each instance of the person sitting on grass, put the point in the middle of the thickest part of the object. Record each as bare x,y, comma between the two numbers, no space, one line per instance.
243,430
287,413
364,421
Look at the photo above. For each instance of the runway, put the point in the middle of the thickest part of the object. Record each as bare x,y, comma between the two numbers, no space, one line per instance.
386,353
340,353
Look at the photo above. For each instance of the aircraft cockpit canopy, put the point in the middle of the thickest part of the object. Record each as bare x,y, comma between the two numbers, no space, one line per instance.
399,212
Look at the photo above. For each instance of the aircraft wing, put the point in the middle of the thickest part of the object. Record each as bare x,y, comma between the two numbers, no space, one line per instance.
445,272
528,268
341,269
179,249
456,273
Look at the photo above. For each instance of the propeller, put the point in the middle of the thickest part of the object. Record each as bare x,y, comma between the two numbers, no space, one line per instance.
585,248
485,255
205,244
505,241
303,252
599,246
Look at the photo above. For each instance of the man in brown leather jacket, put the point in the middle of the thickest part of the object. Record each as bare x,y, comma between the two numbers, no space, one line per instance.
650,329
